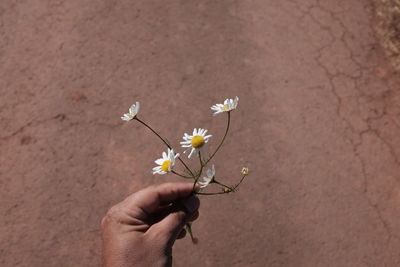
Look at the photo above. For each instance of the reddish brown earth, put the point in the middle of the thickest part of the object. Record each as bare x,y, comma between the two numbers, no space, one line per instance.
318,124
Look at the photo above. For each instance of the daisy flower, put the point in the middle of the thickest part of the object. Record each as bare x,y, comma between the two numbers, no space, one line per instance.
195,141
133,111
209,178
229,104
166,162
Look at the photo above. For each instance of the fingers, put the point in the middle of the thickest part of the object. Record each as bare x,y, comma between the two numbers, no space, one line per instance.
190,204
151,198
194,217
182,234
171,226
164,211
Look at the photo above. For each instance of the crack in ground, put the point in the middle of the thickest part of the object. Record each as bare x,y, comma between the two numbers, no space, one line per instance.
361,71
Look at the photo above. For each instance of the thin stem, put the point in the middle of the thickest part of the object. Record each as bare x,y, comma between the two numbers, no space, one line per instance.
241,180
181,175
201,162
188,228
201,165
221,184
197,177
223,139
210,194
231,189
165,142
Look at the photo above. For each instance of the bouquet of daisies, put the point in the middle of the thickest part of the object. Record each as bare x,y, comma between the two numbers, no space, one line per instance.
193,145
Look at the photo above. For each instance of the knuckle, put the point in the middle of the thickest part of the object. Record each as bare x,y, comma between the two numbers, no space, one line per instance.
113,214
152,187
103,222
168,184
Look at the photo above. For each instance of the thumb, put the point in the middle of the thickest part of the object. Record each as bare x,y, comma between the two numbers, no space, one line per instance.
171,225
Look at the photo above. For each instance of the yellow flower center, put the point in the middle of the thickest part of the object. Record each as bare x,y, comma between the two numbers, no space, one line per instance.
197,141
165,166
224,107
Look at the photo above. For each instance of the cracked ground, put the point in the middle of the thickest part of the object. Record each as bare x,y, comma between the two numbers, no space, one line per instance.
318,125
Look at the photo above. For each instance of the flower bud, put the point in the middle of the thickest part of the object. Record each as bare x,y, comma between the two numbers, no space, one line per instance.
227,190
245,171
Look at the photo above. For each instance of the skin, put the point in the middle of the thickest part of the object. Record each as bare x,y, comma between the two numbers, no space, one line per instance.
141,230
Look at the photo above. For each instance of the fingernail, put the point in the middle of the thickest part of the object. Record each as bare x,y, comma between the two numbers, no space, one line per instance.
191,204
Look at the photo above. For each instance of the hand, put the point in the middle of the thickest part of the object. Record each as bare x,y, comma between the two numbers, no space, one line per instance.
141,230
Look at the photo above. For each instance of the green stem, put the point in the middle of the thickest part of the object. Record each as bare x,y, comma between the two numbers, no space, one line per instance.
232,189
181,175
201,162
201,165
165,142
223,139
188,228
221,184
241,180
210,194
197,177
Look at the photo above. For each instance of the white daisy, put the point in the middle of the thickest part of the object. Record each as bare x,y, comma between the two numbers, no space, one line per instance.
166,162
133,111
229,104
209,178
196,141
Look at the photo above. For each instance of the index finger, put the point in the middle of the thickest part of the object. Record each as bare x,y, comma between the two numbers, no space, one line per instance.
151,198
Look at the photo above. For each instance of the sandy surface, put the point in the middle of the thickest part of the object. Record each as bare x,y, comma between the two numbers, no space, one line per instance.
318,124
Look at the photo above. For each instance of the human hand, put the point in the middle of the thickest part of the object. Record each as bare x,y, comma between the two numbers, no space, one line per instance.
141,230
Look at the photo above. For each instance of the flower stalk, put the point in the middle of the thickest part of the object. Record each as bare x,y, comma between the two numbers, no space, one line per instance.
165,142
194,144
222,141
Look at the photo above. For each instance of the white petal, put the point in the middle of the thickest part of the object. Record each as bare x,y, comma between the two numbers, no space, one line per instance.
159,161
213,170
137,107
160,171
132,109
202,185
127,117
157,170
170,153
185,143
191,152
206,138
